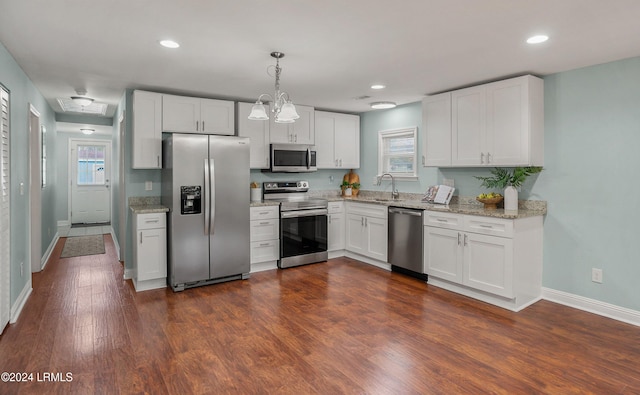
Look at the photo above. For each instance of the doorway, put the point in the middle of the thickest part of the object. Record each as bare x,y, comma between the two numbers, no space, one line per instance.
90,193
35,193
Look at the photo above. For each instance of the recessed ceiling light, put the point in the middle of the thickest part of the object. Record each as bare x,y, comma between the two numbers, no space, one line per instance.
87,131
378,86
169,44
382,105
537,39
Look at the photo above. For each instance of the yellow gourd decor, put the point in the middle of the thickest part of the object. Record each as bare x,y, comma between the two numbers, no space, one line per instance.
354,181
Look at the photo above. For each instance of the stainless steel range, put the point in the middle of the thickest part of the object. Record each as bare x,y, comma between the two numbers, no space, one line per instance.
303,223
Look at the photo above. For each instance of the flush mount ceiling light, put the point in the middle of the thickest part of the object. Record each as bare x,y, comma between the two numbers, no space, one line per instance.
169,44
378,86
87,131
81,99
537,39
283,109
383,105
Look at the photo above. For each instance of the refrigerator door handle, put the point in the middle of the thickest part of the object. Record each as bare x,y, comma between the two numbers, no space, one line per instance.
308,158
207,197
212,197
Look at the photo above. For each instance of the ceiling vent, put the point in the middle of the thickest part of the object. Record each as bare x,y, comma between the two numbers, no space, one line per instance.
68,105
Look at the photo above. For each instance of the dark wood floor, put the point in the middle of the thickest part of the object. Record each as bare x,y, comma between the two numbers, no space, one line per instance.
330,328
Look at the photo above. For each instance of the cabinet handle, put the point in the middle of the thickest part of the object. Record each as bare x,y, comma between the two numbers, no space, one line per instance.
340,162
366,222
329,219
486,226
263,213
481,157
158,160
465,240
423,160
441,220
488,157
296,138
336,164
203,126
151,221
361,221
264,223
197,122
458,238
264,244
140,237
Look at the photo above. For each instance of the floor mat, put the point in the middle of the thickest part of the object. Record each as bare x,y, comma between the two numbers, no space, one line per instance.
83,245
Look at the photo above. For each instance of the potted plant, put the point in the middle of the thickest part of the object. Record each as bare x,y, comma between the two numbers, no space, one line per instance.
355,188
509,181
346,188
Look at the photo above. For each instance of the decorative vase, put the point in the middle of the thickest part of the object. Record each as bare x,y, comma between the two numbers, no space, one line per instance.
511,198
347,192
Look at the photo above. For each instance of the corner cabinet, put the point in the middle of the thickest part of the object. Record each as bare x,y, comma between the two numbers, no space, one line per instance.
366,230
495,260
495,124
147,130
196,115
337,140
302,131
258,132
150,251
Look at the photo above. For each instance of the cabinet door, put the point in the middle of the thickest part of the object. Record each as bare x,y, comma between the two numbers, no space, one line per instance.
355,240
279,133
147,130
336,232
488,264
346,141
443,253
258,132
376,234
468,117
151,254
507,122
217,117
303,129
180,114
436,130
325,140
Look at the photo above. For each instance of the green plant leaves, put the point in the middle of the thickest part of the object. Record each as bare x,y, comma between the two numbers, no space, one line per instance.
502,177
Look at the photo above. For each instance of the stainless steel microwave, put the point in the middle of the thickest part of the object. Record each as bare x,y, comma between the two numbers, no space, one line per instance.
293,158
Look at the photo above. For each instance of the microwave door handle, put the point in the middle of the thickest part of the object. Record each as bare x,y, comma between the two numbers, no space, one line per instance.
308,158
207,197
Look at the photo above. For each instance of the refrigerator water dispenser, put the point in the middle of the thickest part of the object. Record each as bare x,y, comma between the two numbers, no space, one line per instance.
190,199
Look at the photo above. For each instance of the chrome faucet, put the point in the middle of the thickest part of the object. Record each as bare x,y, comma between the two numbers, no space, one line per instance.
394,192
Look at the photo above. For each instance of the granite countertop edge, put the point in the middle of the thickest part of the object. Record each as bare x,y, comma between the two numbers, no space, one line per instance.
148,208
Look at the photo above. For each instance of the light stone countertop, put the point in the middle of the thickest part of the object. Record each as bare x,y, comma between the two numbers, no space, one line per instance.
264,203
146,205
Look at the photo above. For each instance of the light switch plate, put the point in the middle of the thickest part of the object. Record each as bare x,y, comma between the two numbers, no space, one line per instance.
148,186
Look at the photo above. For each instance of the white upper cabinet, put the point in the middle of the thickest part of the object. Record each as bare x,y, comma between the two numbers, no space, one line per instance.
258,132
436,126
302,131
337,140
147,130
196,115
495,124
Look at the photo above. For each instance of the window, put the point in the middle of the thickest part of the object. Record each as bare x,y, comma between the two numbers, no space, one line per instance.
397,153
91,165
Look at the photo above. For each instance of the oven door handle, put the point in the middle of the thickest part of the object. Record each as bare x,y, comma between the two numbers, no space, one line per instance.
303,213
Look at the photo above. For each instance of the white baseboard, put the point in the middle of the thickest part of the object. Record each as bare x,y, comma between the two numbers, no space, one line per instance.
128,274
592,306
64,223
115,243
262,266
16,309
47,253
373,262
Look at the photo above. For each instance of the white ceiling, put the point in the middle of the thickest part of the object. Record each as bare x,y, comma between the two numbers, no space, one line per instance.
335,49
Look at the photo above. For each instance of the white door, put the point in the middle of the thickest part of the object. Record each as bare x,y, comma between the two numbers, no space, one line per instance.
5,209
468,112
376,233
90,174
442,254
488,264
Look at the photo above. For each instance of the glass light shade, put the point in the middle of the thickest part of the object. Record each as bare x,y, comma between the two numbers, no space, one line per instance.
258,112
381,105
81,100
87,131
280,120
287,113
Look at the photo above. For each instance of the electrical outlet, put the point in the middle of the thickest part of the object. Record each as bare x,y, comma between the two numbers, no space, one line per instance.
21,269
596,275
148,186
375,180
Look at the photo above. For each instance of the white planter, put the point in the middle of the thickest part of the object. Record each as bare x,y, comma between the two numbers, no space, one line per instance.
256,194
347,192
511,198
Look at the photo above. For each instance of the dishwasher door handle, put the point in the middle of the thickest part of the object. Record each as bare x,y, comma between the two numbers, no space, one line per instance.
407,212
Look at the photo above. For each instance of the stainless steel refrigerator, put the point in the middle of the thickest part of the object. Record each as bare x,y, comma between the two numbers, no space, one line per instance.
205,184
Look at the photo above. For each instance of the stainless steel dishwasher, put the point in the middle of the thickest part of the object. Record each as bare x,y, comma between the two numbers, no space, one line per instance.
405,241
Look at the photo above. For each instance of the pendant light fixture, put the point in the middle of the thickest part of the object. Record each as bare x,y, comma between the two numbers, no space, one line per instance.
282,108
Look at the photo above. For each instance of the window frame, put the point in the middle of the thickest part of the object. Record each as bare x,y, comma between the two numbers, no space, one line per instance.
385,134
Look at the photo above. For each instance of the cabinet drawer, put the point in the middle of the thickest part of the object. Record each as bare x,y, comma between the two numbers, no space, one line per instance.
336,207
489,226
151,221
264,212
367,209
443,220
268,229
264,251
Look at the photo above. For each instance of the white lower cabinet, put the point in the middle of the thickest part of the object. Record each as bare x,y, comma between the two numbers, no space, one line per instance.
265,237
495,260
150,251
366,230
336,226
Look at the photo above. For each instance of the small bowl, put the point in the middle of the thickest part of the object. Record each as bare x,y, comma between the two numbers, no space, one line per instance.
491,203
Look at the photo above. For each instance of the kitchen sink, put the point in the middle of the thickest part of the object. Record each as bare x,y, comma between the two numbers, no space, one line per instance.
387,200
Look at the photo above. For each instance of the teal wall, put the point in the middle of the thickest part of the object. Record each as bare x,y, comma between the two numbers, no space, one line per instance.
22,92
592,137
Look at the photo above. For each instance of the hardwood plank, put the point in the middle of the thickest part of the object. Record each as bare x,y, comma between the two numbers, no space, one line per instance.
335,327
